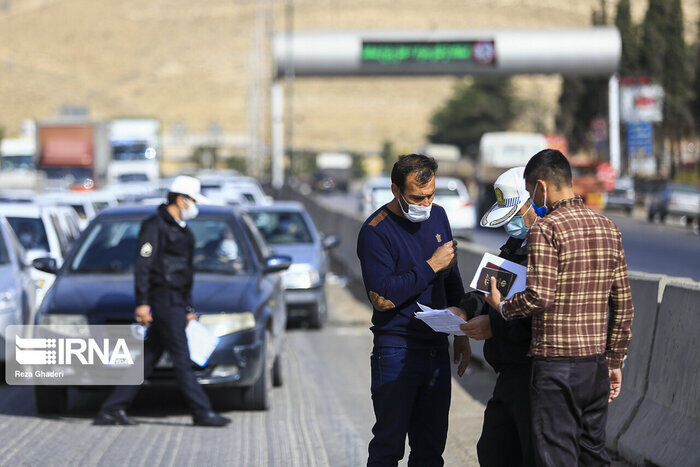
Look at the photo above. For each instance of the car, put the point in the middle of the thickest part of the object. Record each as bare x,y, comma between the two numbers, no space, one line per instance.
453,196
237,294
376,192
622,197
289,230
17,289
675,199
41,233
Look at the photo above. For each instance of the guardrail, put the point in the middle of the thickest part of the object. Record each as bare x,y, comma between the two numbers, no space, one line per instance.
656,419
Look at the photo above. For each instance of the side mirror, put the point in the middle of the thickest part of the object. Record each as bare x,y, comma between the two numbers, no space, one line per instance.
46,265
277,263
330,241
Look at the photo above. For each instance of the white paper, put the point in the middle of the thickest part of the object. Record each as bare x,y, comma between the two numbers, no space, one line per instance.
201,342
441,320
519,270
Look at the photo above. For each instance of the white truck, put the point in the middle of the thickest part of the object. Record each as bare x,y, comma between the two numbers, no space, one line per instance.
136,150
498,152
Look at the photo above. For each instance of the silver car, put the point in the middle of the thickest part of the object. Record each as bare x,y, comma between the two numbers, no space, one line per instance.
289,230
17,289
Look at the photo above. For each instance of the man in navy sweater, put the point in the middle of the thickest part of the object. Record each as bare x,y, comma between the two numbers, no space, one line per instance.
408,256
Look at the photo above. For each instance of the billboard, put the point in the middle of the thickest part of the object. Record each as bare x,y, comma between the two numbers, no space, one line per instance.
641,103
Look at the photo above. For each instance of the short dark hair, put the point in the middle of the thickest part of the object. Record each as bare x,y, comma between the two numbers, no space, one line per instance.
549,165
424,166
172,197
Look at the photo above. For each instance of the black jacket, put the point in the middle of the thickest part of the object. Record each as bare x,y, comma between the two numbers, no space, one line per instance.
163,271
511,339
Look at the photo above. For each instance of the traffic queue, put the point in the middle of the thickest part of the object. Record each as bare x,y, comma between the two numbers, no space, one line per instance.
71,257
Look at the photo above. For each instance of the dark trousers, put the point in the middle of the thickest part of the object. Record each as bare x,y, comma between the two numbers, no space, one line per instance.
569,403
505,438
166,332
411,391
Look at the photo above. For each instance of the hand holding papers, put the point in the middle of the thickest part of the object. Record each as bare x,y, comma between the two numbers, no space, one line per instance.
441,320
201,342
510,276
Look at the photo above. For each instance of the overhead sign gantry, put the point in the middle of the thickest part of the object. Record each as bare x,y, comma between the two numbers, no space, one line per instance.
572,52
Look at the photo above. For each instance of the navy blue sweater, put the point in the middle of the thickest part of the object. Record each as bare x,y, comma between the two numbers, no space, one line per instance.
393,253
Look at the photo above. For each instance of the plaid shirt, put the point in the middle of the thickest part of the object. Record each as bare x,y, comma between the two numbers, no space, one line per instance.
577,292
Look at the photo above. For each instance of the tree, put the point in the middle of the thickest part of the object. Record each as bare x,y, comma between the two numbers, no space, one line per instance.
653,46
696,86
629,62
388,156
582,99
487,104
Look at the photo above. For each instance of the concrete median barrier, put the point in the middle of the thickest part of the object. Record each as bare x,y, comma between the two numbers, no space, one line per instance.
666,427
647,291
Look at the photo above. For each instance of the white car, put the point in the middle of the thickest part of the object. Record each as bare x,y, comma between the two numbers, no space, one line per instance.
450,193
86,205
40,232
247,189
453,196
376,192
17,289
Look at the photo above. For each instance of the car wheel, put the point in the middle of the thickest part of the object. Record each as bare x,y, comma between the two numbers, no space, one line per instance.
257,396
628,211
318,314
50,399
277,379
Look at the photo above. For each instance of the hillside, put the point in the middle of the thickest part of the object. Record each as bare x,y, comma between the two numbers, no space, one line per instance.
187,62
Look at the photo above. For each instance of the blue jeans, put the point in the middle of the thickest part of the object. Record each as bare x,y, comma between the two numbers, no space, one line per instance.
411,390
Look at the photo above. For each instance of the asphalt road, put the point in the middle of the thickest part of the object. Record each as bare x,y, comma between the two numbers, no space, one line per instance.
322,416
669,248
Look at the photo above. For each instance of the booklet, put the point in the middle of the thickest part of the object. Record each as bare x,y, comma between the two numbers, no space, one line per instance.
201,342
510,276
441,320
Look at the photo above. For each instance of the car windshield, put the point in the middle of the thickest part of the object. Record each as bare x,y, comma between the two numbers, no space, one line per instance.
80,209
130,178
110,247
130,152
4,257
684,189
31,232
443,193
282,227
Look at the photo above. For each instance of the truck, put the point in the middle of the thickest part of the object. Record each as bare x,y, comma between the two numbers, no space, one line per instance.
498,152
73,152
136,150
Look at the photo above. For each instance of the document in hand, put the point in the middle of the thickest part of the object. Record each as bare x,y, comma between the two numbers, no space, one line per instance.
201,342
441,320
510,276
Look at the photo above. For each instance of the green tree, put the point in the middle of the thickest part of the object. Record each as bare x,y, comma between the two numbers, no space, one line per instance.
487,104
696,85
582,99
629,34
388,156
653,45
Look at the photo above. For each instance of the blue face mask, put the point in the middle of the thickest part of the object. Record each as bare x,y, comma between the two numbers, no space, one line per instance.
516,226
541,211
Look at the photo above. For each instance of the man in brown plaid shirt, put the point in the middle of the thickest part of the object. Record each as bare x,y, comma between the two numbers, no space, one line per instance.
578,295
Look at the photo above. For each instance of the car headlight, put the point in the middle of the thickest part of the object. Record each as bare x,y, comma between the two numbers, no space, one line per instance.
221,324
300,276
62,319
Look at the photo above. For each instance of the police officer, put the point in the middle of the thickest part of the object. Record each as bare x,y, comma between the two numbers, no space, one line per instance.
163,276
505,437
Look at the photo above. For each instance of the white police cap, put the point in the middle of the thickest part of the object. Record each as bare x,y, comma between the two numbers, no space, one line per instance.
511,195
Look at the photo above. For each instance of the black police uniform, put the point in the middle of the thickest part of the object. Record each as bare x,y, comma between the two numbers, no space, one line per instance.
163,277
505,437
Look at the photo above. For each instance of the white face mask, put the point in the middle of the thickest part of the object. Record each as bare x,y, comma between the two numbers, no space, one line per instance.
415,213
190,212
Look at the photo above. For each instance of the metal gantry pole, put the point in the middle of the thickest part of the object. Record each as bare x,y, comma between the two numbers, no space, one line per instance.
277,118
614,122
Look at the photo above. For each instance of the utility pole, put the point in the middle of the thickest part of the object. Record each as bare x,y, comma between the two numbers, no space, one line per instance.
289,84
